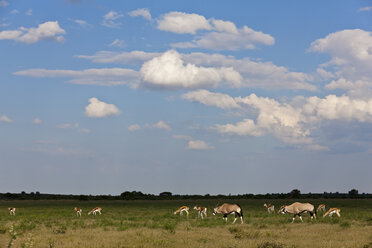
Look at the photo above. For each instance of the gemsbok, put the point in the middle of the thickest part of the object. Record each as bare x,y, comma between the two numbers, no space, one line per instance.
270,208
201,211
95,211
182,209
78,211
321,207
332,211
298,208
11,211
227,208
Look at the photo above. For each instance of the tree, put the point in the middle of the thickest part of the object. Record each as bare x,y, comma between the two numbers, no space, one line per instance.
353,193
295,193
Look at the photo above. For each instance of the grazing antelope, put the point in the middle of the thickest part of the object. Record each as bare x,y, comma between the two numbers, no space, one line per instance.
78,211
227,208
182,209
11,211
270,208
321,207
298,208
95,211
332,211
201,211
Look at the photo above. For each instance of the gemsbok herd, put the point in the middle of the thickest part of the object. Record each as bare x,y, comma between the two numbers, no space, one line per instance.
297,209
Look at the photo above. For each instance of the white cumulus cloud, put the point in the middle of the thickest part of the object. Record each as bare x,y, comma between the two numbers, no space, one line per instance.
5,118
100,109
110,20
36,121
145,13
183,23
198,145
168,71
134,127
45,31
162,125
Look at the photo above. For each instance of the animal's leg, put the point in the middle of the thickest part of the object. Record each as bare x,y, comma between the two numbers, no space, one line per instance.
293,219
241,219
187,212
338,214
224,217
301,218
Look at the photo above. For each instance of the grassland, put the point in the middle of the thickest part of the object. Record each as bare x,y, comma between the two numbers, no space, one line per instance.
153,224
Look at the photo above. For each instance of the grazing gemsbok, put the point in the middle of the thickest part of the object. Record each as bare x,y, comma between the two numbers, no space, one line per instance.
11,211
321,207
78,211
201,211
182,209
227,208
95,211
298,208
270,208
332,211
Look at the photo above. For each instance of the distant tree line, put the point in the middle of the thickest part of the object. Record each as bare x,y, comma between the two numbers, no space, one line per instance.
138,195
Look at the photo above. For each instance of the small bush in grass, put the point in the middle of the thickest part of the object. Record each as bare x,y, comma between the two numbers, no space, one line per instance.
60,230
170,226
345,224
369,245
268,244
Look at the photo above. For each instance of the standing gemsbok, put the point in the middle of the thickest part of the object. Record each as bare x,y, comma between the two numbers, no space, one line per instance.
298,208
227,208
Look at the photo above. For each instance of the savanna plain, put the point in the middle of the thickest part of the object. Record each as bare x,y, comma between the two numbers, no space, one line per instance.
43,223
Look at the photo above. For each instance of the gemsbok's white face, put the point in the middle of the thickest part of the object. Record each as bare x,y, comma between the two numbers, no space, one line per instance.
282,210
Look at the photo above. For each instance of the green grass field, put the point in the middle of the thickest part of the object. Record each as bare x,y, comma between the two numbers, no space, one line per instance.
153,224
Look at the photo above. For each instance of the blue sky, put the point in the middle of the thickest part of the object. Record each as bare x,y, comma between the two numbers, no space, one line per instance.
188,97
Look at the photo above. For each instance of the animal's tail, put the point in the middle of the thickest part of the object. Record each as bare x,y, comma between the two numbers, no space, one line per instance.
315,212
241,210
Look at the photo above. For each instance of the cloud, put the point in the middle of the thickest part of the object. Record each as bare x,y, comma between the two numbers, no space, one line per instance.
6,119
351,60
137,57
36,121
183,23
198,145
253,74
82,23
3,3
14,12
145,13
103,76
45,31
169,72
367,8
134,127
68,125
117,43
193,144
291,122
99,109
208,98
85,130
110,19
219,35
245,38
29,12
162,125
